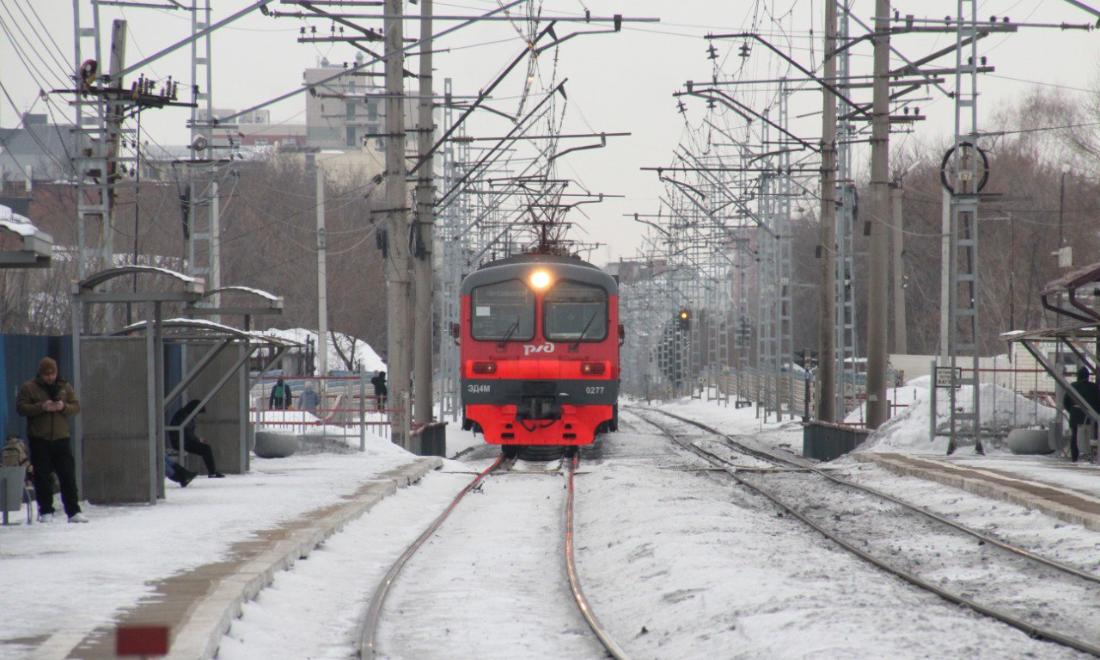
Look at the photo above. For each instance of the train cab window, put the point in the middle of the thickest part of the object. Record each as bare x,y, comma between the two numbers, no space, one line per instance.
504,311
573,311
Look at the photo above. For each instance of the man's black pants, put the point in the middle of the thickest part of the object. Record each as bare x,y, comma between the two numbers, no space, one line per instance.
1073,451
47,457
199,449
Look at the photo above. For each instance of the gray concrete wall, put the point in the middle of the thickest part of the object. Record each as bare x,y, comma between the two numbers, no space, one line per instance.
114,422
220,424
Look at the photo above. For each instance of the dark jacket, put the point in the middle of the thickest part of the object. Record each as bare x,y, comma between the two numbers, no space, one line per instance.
1089,392
189,435
379,382
40,423
281,396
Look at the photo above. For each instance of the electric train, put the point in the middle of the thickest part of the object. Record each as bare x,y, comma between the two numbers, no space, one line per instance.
539,342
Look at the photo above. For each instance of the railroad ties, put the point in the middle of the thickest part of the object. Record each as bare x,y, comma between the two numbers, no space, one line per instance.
1007,589
368,630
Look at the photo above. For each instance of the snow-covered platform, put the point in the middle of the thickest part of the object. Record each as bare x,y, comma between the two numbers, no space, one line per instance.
1068,491
191,561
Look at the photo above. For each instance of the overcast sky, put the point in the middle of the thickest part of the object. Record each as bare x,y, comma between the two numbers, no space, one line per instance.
617,82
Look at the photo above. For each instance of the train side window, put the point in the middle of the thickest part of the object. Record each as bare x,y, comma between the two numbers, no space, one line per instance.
573,311
503,311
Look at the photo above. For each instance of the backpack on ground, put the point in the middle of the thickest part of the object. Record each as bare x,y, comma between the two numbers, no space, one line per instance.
14,453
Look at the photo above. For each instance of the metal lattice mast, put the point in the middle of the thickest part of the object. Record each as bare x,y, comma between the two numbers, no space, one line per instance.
785,341
963,292
846,326
202,194
449,242
90,160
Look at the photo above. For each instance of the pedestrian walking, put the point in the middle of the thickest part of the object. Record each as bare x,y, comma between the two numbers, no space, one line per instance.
280,397
1077,417
309,399
48,401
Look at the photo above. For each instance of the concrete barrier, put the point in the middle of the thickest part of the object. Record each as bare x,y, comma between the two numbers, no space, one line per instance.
275,445
1029,441
824,441
430,439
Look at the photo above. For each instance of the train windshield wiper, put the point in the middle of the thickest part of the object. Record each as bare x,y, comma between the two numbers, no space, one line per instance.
508,335
587,325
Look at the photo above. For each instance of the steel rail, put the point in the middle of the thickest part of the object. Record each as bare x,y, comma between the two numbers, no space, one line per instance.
1004,617
571,570
981,536
368,633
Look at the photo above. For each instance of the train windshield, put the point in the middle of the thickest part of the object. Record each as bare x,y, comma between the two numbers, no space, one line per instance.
575,312
504,311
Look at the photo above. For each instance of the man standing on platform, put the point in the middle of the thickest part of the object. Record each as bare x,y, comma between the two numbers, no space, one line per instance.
1089,392
48,402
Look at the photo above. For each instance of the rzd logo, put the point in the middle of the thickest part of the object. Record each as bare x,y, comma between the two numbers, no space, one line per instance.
540,348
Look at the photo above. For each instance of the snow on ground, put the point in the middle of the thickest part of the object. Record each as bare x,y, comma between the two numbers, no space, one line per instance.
785,435
690,566
1043,534
676,563
312,611
82,574
687,566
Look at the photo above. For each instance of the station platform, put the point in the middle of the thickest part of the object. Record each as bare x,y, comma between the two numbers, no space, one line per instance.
1067,491
188,563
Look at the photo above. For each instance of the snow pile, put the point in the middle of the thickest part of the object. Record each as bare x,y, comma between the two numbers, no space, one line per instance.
907,431
364,353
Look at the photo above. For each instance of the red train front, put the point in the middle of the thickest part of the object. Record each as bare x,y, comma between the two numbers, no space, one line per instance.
540,339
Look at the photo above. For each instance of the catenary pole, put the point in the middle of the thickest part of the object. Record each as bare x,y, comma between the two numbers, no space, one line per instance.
878,283
398,334
901,334
826,367
945,275
422,265
322,278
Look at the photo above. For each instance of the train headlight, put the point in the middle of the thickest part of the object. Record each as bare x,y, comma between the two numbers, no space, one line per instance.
540,279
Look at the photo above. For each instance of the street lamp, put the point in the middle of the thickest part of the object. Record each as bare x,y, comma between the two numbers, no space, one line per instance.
1061,202
1064,253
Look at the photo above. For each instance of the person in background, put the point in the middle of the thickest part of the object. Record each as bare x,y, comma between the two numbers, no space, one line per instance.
1089,392
280,397
48,402
380,390
191,441
309,399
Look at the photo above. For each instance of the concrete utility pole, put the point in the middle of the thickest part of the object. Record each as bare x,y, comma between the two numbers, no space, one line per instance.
901,336
322,278
422,265
398,333
879,282
945,275
826,355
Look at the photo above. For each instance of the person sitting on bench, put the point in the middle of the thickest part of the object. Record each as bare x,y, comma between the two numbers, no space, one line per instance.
192,443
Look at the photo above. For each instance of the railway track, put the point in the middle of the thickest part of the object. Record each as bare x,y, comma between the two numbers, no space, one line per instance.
1041,573
368,646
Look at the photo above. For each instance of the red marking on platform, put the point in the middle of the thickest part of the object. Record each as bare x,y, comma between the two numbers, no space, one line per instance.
141,640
